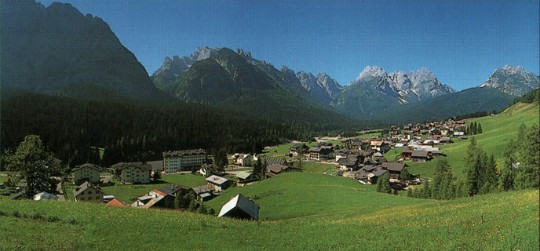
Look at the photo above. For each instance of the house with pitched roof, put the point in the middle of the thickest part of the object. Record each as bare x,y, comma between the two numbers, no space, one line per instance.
393,168
240,207
132,172
159,198
219,183
87,192
86,172
420,156
204,192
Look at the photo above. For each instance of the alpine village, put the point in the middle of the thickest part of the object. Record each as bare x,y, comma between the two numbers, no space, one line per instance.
221,150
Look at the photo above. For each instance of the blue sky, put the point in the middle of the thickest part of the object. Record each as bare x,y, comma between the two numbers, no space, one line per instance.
461,42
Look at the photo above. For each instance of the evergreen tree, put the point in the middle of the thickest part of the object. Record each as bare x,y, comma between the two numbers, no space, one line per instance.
527,155
479,129
443,185
383,184
404,175
426,192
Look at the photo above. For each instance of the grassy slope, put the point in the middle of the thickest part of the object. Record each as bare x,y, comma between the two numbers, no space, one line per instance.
130,193
339,215
497,130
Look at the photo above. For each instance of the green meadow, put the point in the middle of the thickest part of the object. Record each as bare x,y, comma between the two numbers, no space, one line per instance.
299,211
497,131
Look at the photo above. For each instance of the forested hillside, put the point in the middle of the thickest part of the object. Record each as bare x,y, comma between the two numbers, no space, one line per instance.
130,130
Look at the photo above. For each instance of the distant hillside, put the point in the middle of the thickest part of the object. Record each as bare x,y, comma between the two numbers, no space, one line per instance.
237,82
454,104
60,51
515,81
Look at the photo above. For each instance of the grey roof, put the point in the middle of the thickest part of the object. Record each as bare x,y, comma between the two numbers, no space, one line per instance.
83,188
419,154
202,189
407,150
139,165
156,165
173,189
243,175
276,168
240,207
184,152
274,160
379,172
368,168
88,165
393,166
350,160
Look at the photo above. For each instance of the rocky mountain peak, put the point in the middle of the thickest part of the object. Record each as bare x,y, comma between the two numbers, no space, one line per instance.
513,80
373,72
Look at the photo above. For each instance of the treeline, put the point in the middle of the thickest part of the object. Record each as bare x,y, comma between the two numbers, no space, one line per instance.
76,130
473,129
520,170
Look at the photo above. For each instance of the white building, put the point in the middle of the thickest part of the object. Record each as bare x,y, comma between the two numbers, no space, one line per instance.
183,160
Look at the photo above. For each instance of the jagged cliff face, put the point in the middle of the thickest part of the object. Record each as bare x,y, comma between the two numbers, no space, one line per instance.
512,80
56,49
322,87
400,86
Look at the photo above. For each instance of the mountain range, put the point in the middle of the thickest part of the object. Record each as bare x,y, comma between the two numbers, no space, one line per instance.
57,50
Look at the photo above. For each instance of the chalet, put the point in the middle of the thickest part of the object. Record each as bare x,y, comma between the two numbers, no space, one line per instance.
208,170
420,156
406,152
242,159
244,177
349,163
132,172
356,145
445,140
204,192
185,160
378,158
159,198
86,172
321,152
240,207
219,183
376,174
342,153
393,168
298,149
275,169
88,193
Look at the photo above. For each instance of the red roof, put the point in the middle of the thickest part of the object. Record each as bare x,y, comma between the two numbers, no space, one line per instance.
116,203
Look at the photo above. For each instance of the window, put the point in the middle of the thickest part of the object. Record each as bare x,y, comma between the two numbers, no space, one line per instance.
97,197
